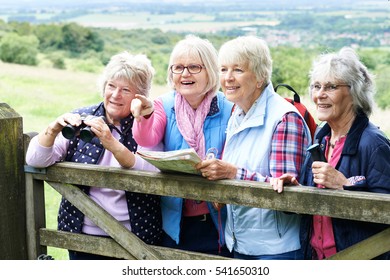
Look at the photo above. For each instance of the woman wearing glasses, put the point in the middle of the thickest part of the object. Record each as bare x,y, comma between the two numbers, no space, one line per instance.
356,151
193,115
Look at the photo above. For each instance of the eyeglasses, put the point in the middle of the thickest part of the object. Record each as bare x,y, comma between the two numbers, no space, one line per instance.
327,87
192,68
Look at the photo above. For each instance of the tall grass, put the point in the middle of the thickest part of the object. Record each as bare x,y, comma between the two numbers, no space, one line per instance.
40,95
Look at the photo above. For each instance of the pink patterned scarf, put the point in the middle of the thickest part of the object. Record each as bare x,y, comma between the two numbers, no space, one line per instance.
190,122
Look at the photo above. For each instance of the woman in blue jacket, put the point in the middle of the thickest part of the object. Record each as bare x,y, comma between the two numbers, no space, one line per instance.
265,137
194,114
357,152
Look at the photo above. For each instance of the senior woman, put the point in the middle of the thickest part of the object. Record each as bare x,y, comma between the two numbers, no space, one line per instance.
357,152
123,77
194,114
266,136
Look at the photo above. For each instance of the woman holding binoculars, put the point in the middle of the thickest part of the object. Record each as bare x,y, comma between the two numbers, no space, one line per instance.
109,142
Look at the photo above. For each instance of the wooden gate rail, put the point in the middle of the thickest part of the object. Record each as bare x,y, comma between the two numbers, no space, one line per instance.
109,247
130,245
106,222
363,206
343,204
367,249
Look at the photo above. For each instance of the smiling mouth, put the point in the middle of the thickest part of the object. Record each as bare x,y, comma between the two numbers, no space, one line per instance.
187,83
115,104
323,106
232,88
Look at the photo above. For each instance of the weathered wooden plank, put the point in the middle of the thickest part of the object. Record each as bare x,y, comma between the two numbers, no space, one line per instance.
35,209
106,222
108,247
83,243
35,216
12,195
362,206
367,249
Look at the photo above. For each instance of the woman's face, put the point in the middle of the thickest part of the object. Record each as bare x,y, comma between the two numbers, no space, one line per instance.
240,84
118,95
191,86
333,100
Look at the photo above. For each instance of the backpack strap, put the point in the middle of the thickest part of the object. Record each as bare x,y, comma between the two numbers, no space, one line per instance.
310,121
297,98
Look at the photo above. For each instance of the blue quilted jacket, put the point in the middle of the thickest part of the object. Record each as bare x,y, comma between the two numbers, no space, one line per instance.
215,134
366,153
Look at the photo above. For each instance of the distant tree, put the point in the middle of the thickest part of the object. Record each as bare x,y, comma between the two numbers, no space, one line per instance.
21,28
78,39
378,62
50,36
374,57
382,98
4,27
160,39
95,43
57,59
291,66
160,64
19,49
304,21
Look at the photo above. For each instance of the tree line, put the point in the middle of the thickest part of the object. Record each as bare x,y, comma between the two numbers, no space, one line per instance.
74,47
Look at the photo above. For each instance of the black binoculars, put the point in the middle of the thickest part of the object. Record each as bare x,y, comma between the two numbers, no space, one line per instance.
83,131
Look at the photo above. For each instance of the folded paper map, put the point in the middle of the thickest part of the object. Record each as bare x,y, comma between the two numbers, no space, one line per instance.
183,161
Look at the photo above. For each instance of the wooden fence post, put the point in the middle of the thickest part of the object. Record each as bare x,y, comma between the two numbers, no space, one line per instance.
35,208
12,189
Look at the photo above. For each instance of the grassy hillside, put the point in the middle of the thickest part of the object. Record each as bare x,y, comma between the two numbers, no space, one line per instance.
39,95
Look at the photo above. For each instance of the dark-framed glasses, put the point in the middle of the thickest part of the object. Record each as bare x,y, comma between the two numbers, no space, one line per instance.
327,87
192,68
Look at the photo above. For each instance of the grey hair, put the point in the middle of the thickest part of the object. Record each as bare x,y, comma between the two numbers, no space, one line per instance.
251,50
136,69
346,67
203,49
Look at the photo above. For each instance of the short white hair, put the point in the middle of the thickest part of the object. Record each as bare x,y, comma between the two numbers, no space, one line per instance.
136,69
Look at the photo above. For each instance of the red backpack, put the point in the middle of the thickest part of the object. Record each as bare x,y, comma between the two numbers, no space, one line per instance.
296,101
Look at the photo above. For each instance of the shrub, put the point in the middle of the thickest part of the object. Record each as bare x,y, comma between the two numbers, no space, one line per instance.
19,49
58,60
